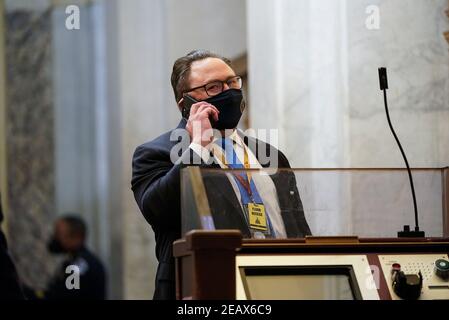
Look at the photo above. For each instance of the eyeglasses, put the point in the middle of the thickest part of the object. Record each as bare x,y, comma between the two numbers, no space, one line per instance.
215,87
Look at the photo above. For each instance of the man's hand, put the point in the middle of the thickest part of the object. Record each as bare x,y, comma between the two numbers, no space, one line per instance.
198,125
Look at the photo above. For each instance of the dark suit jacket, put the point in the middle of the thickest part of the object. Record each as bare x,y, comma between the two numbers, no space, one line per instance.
9,281
156,186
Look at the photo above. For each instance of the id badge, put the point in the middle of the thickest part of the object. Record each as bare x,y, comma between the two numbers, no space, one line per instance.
257,216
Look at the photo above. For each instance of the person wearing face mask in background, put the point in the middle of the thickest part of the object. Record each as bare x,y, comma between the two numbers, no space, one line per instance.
69,237
209,95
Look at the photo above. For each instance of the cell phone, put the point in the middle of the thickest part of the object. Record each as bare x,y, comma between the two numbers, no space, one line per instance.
187,104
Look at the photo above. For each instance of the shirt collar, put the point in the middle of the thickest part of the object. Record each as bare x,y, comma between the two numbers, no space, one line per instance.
234,136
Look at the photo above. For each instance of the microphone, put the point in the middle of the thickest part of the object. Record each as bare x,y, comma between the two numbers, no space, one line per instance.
406,233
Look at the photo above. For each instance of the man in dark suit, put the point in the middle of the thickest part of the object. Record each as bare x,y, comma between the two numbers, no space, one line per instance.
208,93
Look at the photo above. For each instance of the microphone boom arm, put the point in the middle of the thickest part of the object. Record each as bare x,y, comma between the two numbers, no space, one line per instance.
406,233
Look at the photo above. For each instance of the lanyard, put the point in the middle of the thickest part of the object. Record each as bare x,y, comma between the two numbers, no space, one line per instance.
244,181
255,210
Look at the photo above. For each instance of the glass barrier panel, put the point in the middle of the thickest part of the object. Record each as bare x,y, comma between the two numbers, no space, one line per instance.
294,203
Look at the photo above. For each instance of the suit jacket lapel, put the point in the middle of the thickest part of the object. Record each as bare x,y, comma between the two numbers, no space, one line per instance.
227,189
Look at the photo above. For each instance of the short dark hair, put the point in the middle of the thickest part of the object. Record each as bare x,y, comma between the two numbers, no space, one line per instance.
181,69
76,224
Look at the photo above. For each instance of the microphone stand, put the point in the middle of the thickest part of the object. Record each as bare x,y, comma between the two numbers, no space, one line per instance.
406,233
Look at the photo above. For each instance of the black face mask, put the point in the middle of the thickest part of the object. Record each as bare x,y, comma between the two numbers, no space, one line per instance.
54,246
231,104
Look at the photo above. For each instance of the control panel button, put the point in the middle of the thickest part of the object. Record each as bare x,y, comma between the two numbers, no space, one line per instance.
406,286
442,269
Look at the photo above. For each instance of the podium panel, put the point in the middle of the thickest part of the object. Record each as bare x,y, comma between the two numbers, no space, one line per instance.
221,265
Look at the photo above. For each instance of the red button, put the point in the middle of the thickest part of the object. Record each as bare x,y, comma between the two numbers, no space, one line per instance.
396,266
